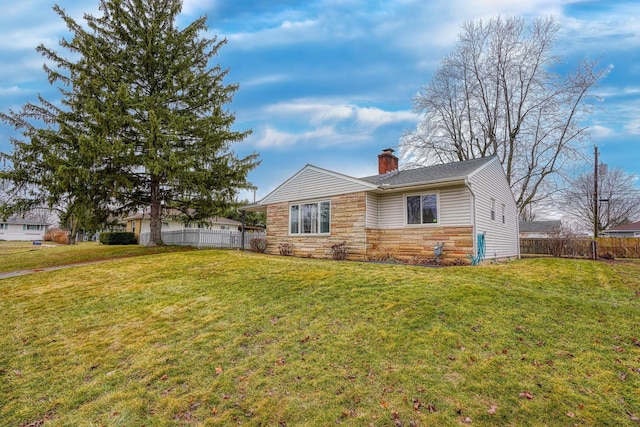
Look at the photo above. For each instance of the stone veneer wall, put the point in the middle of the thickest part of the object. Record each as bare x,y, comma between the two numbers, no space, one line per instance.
347,225
418,242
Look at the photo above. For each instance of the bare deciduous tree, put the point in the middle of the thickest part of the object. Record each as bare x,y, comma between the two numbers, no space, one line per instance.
618,199
497,94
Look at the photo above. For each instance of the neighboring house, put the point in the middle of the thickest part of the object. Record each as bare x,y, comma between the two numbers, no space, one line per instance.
141,223
403,213
538,229
15,228
627,230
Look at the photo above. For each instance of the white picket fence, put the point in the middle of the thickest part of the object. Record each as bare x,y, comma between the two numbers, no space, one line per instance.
200,238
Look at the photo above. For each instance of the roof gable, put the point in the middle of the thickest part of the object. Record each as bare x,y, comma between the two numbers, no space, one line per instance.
312,182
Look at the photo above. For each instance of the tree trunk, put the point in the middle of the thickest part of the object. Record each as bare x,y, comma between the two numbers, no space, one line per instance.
73,229
156,213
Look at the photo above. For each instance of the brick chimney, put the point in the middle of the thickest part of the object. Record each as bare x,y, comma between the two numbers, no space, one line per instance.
387,162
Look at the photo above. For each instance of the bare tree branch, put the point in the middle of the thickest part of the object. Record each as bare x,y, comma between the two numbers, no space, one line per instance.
496,94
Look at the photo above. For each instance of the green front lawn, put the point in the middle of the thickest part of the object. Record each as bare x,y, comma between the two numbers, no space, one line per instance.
224,338
25,255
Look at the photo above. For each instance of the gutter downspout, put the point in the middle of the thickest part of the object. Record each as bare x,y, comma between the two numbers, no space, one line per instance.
518,231
473,216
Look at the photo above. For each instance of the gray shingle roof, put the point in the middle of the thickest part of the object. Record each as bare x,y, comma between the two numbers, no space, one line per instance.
634,226
538,226
427,174
20,221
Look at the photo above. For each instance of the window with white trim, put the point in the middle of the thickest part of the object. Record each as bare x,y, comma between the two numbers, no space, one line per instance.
4,226
422,209
310,218
493,209
32,227
504,209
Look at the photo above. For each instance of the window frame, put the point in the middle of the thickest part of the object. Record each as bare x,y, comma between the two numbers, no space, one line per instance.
492,214
421,195
301,223
4,226
30,227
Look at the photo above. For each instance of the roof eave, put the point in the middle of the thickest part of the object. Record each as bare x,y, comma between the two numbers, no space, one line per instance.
254,207
424,184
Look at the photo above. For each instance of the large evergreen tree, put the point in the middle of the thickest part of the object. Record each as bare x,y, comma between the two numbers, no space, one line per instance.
143,122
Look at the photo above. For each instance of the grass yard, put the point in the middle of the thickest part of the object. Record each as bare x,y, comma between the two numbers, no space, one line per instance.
26,256
226,338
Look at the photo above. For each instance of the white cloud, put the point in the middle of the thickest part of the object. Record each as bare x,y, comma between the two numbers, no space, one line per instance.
324,124
12,90
273,138
600,132
266,80
633,127
287,33
377,117
317,113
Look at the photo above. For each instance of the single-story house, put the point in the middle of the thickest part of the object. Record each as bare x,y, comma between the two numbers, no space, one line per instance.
626,230
141,223
16,228
538,229
466,205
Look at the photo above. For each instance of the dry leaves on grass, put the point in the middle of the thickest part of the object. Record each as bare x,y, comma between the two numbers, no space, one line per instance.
526,395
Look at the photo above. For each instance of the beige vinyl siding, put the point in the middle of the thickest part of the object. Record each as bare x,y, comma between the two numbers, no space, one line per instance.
489,183
313,183
454,208
145,227
372,212
391,211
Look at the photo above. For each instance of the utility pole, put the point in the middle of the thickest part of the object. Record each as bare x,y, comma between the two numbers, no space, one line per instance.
595,204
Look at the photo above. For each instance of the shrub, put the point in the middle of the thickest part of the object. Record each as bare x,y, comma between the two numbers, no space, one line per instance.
285,249
61,237
562,241
118,238
339,251
258,244
383,254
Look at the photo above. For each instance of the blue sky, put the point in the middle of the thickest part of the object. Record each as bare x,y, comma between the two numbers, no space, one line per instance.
331,82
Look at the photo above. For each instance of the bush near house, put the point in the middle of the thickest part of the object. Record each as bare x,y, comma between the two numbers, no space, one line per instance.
57,235
118,238
258,244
